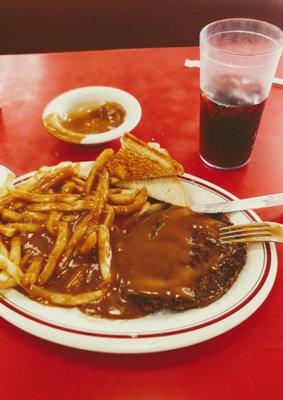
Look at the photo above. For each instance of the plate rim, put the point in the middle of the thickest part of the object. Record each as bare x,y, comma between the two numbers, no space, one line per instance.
263,286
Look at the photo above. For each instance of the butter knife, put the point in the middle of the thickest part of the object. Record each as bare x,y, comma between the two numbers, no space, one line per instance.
270,200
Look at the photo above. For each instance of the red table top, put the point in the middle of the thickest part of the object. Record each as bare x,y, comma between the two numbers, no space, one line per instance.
244,363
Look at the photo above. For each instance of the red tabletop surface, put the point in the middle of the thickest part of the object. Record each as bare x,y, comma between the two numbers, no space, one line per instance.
246,362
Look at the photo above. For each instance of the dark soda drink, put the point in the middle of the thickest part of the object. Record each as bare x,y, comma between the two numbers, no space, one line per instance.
230,114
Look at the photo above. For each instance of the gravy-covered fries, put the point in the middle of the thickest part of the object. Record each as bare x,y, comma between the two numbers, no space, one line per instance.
55,232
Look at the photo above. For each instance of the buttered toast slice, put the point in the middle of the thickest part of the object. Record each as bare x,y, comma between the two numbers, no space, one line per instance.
138,164
137,160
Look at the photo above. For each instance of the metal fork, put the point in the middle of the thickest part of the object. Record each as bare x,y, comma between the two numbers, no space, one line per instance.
254,232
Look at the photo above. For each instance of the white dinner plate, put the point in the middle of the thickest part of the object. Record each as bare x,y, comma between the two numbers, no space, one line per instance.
163,330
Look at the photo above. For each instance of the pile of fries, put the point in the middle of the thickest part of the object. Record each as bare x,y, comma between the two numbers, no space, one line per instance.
52,200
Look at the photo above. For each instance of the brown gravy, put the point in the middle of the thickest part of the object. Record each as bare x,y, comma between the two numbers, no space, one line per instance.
155,255
94,119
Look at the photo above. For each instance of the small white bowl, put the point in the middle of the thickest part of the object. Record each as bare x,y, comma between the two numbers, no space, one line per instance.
97,95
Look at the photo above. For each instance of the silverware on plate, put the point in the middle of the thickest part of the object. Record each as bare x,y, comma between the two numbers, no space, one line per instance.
240,205
254,232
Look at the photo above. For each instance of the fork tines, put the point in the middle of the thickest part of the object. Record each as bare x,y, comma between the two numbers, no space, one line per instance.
245,232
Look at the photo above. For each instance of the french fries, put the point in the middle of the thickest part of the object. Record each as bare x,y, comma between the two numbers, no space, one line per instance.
18,205
6,281
62,299
104,251
56,253
9,230
72,187
76,237
43,294
101,195
109,217
97,165
15,250
25,260
79,205
78,181
138,203
31,275
3,250
60,175
72,212
26,216
43,198
121,198
89,242
53,222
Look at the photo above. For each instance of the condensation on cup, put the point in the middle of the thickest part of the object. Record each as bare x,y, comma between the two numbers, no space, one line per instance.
238,60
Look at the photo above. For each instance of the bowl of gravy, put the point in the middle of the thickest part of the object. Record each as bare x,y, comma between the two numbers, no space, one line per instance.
91,115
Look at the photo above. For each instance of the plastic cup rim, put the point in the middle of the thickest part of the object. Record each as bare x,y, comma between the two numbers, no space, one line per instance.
276,49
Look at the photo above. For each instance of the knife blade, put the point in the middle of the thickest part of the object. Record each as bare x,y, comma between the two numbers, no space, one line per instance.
270,200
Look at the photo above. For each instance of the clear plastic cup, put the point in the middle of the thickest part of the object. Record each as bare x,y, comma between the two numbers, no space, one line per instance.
238,60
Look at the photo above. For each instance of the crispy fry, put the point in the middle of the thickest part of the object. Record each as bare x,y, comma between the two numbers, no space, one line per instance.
25,260
70,187
43,294
78,181
114,190
62,298
89,242
48,181
8,215
44,198
11,269
104,251
121,198
26,216
53,222
124,191
32,272
79,205
15,250
3,249
6,281
113,180
101,195
140,200
103,184
6,200
76,237
17,205
26,227
78,189
101,160
56,253
109,217
70,217
7,230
